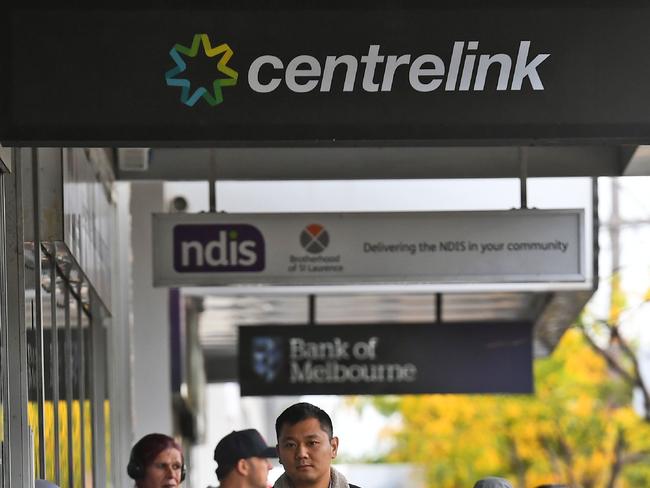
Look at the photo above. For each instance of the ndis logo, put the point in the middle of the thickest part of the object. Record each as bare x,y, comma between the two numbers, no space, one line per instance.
218,248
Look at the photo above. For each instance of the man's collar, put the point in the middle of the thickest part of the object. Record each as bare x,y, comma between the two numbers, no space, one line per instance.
337,480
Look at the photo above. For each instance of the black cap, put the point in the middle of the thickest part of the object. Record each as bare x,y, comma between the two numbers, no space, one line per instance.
242,444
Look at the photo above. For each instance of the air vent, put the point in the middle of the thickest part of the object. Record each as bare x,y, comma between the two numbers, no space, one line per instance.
133,158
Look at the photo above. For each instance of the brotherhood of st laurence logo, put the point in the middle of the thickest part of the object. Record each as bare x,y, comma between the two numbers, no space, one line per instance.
190,95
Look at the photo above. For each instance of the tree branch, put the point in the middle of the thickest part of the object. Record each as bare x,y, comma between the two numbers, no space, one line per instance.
635,457
618,463
635,379
613,363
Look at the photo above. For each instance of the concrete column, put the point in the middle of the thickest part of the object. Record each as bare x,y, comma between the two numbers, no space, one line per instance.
119,349
152,401
19,470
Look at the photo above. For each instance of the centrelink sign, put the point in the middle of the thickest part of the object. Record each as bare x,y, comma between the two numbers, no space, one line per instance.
375,71
425,73
327,74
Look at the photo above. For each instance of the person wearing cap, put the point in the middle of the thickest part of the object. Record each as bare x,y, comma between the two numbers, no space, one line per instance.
307,446
242,460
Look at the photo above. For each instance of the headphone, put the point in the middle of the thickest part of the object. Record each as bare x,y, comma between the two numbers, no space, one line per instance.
135,468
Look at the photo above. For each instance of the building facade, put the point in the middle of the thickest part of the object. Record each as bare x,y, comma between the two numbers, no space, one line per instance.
58,340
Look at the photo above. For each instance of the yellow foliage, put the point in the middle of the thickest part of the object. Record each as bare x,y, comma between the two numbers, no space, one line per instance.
565,433
617,300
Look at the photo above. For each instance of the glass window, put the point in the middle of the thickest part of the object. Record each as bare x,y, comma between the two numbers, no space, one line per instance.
3,318
65,446
75,371
50,434
33,364
59,354
105,324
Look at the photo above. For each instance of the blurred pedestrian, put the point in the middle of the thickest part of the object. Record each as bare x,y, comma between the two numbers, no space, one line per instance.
156,461
307,446
242,460
492,482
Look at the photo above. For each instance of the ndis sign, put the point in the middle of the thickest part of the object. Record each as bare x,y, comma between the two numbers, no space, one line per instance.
205,248
417,248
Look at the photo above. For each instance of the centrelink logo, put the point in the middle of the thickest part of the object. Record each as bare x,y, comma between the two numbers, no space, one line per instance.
212,95
218,248
464,68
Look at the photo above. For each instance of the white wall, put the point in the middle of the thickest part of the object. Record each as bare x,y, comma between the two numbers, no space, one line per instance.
151,360
120,334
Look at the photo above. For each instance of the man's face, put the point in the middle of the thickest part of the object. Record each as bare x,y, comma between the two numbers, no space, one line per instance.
164,471
258,472
306,452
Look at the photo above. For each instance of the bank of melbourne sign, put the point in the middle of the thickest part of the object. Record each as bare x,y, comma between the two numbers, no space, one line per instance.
376,359
535,249
328,74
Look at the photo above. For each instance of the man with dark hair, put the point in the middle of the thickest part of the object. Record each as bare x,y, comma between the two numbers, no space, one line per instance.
307,446
242,460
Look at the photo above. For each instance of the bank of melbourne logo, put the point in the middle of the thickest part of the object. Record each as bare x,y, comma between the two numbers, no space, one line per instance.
212,95
218,248
314,238
267,357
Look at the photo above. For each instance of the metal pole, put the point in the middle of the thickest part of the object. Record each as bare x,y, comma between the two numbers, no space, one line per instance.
38,316
98,388
68,364
312,309
615,227
3,329
438,308
82,382
212,176
595,230
523,176
17,472
55,369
